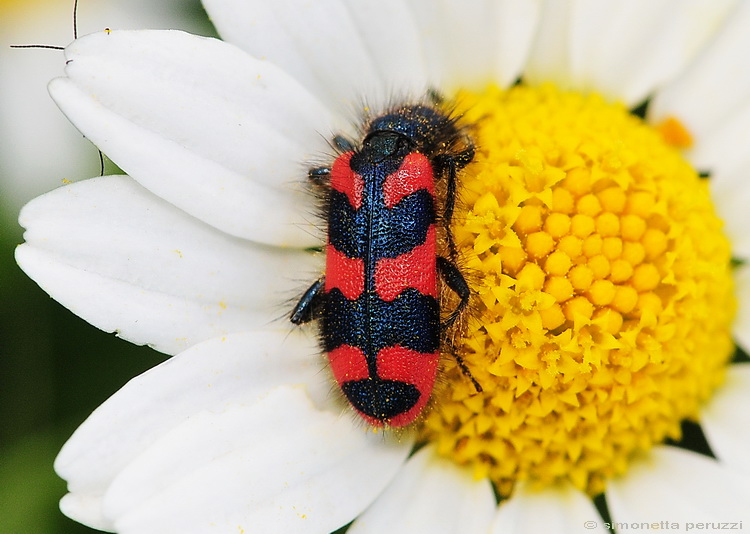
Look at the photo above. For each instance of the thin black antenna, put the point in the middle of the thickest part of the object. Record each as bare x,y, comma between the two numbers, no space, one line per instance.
53,47
49,47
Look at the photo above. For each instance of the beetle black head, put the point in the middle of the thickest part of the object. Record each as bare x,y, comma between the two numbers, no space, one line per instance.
425,126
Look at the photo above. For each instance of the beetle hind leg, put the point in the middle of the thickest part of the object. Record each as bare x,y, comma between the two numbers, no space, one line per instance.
464,368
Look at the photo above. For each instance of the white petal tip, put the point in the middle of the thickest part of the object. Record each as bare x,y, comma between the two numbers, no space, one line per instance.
86,509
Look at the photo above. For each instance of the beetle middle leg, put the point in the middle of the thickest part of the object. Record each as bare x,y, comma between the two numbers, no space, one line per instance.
456,281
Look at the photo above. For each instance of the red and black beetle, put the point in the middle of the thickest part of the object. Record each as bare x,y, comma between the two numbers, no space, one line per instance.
378,301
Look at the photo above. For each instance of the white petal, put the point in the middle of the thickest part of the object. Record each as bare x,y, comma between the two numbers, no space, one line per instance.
127,261
558,510
430,495
391,37
715,86
629,49
683,29
604,38
741,330
458,40
549,58
515,26
731,194
200,124
624,50
339,55
235,369
679,486
723,151
726,419
87,510
275,466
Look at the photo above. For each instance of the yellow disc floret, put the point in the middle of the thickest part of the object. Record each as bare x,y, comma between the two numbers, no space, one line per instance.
603,292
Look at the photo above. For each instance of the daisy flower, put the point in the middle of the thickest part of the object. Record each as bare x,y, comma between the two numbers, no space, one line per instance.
601,226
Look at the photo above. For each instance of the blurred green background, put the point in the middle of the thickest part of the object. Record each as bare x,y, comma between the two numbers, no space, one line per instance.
54,367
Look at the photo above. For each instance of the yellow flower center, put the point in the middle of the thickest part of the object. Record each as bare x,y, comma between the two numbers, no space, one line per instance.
603,291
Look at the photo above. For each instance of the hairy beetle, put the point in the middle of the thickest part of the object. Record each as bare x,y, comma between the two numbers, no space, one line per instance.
378,301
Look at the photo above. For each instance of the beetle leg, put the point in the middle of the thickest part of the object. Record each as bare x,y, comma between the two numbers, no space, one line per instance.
456,281
309,305
450,202
464,368
342,143
319,175
451,164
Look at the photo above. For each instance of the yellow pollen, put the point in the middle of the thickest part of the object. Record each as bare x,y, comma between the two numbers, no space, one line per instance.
675,133
603,294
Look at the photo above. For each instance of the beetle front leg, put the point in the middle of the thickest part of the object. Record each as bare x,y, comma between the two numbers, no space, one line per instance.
319,176
450,164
